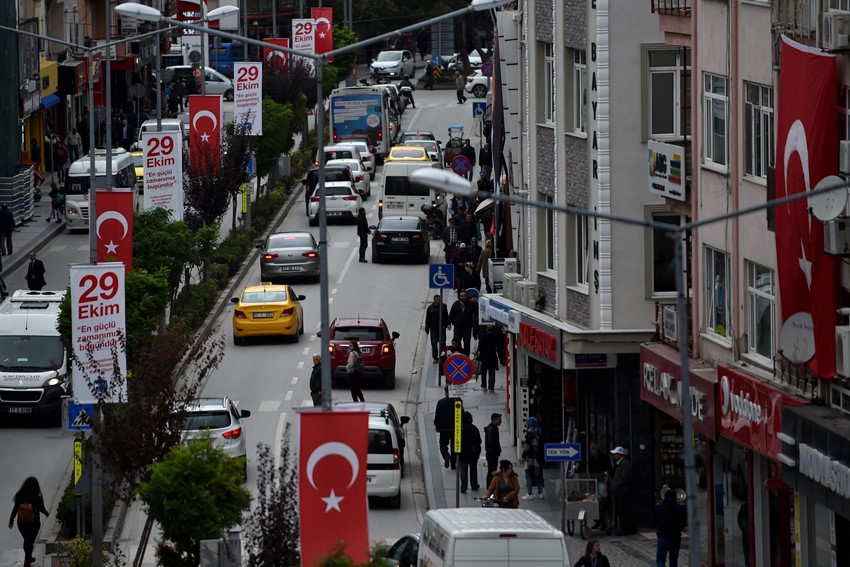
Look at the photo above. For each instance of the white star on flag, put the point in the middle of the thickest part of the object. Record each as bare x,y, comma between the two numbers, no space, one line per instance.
205,137
332,501
111,248
321,35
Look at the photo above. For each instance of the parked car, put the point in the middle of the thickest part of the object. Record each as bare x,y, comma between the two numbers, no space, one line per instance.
477,84
367,155
267,310
454,61
288,254
342,201
221,419
139,164
382,409
392,65
404,552
362,179
401,237
376,343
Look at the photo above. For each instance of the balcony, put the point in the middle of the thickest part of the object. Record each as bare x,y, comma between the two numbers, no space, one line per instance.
797,18
674,19
671,7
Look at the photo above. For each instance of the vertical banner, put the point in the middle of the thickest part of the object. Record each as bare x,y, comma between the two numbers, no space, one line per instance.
276,59
304,39
163,159
333,505
323,25
248,97
204,135
806,153
98,328
114,226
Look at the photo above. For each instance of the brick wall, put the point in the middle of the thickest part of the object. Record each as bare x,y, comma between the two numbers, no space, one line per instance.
545,148
575,24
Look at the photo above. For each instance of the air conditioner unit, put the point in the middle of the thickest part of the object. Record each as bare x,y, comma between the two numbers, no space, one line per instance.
836,237
525,293
512,265
509,280
842,350
670,322
836,30
844,156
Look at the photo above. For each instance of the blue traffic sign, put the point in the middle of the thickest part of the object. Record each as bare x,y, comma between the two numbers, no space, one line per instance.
461,165
478,109
458,369
441,276
559,452
79,416
472,293
487,69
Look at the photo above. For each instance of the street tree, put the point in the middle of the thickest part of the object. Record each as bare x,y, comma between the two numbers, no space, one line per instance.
279,121
194,493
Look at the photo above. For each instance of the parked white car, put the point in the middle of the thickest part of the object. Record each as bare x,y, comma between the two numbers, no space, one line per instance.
362,179
477,84
341,202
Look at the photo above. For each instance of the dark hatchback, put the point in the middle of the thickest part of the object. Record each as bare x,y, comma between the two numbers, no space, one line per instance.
401,237
333,172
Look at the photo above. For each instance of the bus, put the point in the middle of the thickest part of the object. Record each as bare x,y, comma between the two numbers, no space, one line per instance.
222,57
361,110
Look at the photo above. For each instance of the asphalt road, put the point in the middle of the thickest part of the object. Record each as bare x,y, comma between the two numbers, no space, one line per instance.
270,378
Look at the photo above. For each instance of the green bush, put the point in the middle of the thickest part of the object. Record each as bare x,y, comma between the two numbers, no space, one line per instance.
194,302
79,551
66,512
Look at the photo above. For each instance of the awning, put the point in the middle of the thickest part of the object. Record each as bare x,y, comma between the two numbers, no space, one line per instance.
48,101
484,206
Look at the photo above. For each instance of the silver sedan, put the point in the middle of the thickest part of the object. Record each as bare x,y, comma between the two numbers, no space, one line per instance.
288,254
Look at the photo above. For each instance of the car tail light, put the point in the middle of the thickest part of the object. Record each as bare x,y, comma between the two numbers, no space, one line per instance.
386,349
372,149
335,136
396,461
269,256
469,79
288,312
233,433
350,198
380,237
309,254
314,199
359,178
240,314
418,239
380,135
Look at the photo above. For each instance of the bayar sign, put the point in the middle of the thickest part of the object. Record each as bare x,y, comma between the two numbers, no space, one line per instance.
248,97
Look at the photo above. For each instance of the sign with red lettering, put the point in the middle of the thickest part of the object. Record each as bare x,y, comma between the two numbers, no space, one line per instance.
163,161
304,38
98,330
540,343
248,98
749,410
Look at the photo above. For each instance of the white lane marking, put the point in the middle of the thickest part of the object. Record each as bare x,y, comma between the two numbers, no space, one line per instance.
341,244
289,395
301,364
269,405
82,248
57,248
306,351
294,380
312,338
334,290
278,438
307,404
345,268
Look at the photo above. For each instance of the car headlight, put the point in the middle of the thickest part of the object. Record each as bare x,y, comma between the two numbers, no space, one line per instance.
55,381
71,212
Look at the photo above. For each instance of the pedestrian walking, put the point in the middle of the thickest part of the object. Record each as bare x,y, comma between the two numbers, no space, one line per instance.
467,229
429,76
460,84
435,328
463,317
27,509
54,203
7,225
504,487
60,160
621,486
35,153
473,253
74,142
444,423
452,348
468,152
450,240
316,381
423,42
490,354
670,518
470,451
363,232
35,272
483,265
599,465
593,556
355,370
532,456
492,446
485,161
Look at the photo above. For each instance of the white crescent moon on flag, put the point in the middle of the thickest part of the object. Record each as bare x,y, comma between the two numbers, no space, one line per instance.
112,215
333,448
324,21
797,142
204,114
273,54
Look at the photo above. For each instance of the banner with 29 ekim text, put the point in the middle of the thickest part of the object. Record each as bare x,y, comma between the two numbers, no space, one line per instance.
163,158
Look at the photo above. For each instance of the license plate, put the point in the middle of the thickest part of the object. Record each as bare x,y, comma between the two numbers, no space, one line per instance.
290,268
369,479
399,239
366,349
264,315
334,213
19,410
395,206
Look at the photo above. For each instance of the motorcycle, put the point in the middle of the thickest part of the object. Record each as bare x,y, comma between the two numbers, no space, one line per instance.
434,219
407,95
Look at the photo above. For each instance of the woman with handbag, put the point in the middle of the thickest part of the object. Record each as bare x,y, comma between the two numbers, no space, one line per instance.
504,487
28,506
355,369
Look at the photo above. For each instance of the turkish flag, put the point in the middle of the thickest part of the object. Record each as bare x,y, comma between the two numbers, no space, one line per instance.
333,505
114,226
806,153
323,29
276,59
204,135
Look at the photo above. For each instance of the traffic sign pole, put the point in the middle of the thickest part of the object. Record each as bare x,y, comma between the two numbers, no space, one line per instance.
441,340
458,423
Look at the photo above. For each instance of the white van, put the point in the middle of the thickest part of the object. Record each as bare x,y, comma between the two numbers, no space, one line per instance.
78,180
170,125
496,537
400,197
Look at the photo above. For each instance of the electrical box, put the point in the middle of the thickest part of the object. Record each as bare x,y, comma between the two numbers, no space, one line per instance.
525,293
509,281
836,30
842,350
836,237
844,156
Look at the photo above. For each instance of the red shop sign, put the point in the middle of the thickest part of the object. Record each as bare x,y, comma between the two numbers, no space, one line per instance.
750,411
539,342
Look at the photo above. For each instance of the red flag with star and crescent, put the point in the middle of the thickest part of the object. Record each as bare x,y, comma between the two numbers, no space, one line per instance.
323,29
333,504
806,153
114,226
276,59
204,135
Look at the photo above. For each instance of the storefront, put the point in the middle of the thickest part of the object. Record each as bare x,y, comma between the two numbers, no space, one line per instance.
816,464
753,511
493,311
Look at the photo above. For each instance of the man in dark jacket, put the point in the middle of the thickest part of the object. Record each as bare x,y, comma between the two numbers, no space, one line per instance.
467,229
670,519
622,489
450,240
492,445
35,272
462,317
485,160
316,381
435,328
469,153
7,225
490,354
444,422
363,233
470,450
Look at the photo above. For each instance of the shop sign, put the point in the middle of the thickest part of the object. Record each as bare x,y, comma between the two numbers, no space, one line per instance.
750,411
540,343
492,310
824,470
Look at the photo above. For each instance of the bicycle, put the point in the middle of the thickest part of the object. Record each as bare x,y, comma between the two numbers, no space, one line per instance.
488,502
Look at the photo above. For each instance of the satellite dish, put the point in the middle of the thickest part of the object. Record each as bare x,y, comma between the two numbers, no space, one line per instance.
195,56
829,205
797,337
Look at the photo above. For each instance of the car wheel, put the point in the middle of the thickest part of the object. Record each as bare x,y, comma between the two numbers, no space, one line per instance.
228,96
395,501
301,328
389,381
479,91
295,337
375,258
314,222
238,340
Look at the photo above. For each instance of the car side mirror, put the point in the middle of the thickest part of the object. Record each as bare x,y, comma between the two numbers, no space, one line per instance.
319,334
302,297
259,246
404,420
234,300
395,335
373,227
244,413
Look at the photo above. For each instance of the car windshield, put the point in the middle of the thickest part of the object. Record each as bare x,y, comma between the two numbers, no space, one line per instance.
263,296
398,224
20,353
359,333
339,191
380,442
138,160
209,419
428,145
338,154
385,56
399,153
352,163
290,241
400,186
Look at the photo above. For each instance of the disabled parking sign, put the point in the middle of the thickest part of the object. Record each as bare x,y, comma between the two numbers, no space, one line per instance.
441,276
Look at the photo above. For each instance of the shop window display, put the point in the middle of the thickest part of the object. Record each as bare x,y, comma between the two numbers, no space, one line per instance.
731,511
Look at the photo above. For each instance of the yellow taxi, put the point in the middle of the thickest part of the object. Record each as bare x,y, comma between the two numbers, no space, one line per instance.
139,164
267,310
408,153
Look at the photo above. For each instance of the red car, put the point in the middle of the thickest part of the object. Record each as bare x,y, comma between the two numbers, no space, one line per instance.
376,342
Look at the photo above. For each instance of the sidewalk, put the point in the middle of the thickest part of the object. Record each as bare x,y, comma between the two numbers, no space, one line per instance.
634,550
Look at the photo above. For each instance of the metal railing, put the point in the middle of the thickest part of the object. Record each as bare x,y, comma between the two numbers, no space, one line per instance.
797,18
672,7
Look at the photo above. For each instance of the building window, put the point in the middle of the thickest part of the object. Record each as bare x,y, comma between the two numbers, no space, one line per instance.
718,270
839,5
758,124
844,112
550,235
664,254
549,82
667,109
582,243
579,91
761,310
715,122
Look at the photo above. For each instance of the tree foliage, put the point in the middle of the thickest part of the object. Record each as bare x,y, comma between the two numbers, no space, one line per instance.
195,493
279,125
